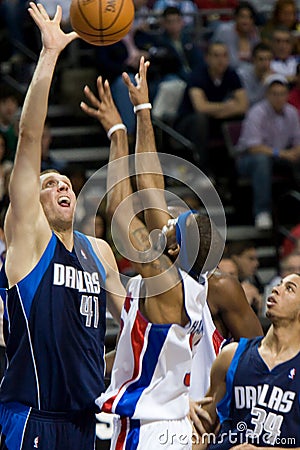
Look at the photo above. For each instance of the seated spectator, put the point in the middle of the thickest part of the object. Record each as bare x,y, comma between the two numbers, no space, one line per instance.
253,75
284,13
294,94
284,62
187,8
214,93
178,53
270,138
172,60
240,35
244,254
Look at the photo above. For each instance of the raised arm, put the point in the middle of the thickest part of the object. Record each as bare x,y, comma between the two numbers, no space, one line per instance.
148,168
131,232
26,227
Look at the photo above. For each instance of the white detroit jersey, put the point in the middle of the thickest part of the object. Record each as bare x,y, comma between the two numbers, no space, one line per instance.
206,353
151,373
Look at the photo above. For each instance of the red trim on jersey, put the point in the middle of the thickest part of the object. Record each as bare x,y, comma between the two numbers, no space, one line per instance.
217,340
191,340
137,343
187,379
127,302
122,435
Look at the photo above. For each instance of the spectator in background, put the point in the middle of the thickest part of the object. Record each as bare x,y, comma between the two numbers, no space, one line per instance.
179,54
284,13
8,119
294,94
175,56
187,8
254,298
214,93
253,75
244,254
270,139
284,62
240,35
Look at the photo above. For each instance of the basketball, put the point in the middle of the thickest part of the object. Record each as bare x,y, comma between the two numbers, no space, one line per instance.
101,22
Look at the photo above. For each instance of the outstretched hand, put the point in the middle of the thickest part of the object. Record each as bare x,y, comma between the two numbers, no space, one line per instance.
138,93
102,108
53,38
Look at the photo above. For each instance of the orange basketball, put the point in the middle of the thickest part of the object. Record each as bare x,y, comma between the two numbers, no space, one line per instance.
101,22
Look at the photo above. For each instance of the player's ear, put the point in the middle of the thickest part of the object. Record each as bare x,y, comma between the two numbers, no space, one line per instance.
174,250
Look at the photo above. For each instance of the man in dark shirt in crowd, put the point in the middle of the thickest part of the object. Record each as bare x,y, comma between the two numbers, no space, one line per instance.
214,93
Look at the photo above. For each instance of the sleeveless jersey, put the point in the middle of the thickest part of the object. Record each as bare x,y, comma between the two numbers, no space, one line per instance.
151,373
261,406
54,330
206,353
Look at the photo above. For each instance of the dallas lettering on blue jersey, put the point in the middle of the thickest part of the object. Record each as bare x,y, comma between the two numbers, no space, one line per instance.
83,281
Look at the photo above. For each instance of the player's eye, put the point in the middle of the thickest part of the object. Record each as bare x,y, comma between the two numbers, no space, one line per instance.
51,183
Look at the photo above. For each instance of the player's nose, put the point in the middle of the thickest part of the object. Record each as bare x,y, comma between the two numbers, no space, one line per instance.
62,185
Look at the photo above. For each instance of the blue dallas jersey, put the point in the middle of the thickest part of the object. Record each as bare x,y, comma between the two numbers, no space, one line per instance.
54,327
261,406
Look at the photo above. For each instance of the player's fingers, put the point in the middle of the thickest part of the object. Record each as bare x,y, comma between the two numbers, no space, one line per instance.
58,14
91,97
100,86
35,14
127,79
43,12
88,110
108,91
205,401
137,78
203,414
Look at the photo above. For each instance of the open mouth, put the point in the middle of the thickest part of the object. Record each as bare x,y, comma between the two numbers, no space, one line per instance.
64,201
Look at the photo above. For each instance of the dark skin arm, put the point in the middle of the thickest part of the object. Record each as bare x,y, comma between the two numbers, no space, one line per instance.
230,310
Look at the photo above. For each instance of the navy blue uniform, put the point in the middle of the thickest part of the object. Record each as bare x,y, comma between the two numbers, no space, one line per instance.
54,328
261,406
